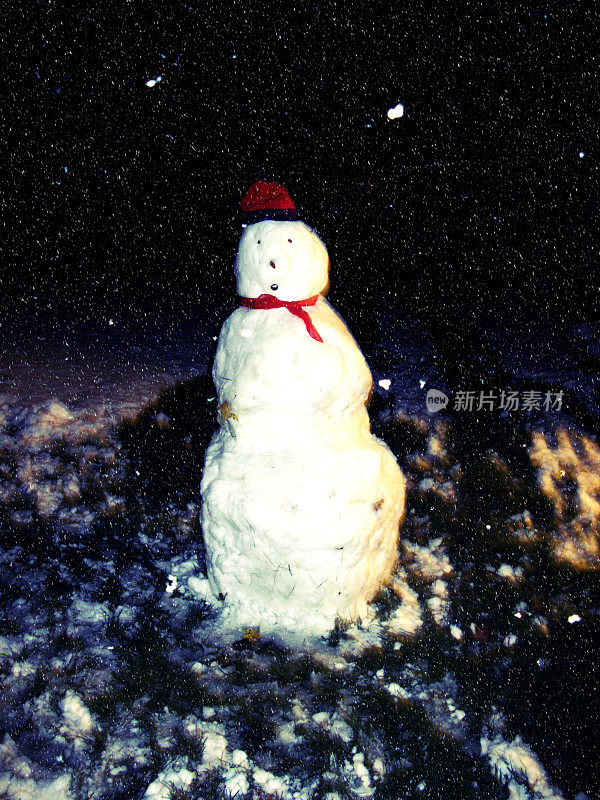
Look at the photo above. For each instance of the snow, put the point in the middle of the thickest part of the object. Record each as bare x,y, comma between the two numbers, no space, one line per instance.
397,691
512,574
438,604
20,780
431,560
573,457
269,783
334,724
23,789
83,612
162,787
214,742
235,784
396,112
199,586
300,503
407,618
340,728
515,762
78,722
239,758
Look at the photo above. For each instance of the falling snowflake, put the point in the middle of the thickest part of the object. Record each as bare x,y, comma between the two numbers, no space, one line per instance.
396,112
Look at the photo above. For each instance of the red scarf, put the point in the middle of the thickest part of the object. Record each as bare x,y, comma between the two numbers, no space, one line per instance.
266,301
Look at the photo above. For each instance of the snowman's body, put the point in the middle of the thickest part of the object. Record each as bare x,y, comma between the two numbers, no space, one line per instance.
301,504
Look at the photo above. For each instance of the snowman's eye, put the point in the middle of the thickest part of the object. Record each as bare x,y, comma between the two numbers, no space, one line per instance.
258,241
289,240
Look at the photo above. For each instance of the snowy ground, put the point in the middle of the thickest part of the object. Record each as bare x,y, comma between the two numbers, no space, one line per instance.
478,678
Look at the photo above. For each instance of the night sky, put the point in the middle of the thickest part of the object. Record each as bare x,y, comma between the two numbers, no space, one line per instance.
483,194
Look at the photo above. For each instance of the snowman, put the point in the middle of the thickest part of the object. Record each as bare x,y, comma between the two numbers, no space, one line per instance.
301,504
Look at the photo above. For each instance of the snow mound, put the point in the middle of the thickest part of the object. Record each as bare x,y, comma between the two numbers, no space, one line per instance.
515,764
568,474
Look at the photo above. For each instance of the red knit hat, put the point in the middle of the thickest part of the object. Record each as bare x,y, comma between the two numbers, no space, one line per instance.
267,201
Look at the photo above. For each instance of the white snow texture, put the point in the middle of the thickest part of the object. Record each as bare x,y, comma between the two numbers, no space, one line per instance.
301,504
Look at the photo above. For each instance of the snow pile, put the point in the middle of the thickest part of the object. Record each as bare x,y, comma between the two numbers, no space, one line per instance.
521,528
515,764
511,574
78,724
438,603
126,751
407,618
215,755
358,776
21,779
430,562
334,724
270,785
84,613
569,476
168,782
232,770
437,443
59,464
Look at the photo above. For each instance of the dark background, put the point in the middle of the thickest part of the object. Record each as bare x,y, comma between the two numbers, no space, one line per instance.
119,195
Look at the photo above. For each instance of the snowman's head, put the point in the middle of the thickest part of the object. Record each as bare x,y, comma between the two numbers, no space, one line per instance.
283,258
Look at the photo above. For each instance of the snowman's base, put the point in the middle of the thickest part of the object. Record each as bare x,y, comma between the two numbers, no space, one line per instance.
234,623
296,541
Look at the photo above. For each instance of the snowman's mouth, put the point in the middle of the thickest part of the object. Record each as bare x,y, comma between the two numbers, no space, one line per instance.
274,287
